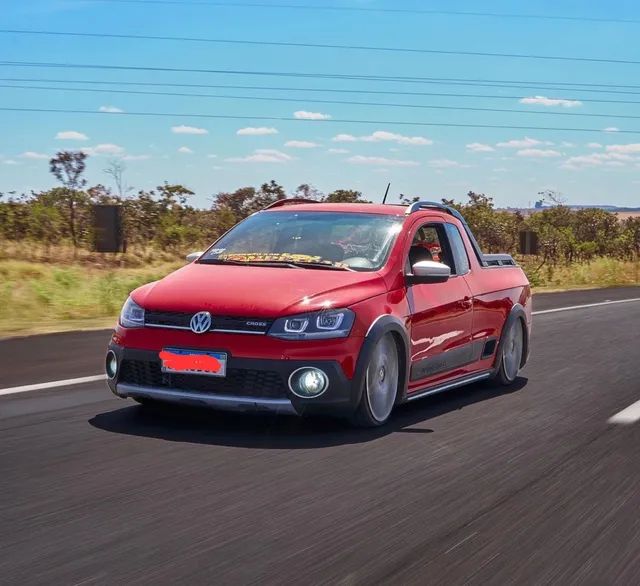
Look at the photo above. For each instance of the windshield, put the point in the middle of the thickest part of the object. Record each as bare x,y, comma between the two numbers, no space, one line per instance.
315,239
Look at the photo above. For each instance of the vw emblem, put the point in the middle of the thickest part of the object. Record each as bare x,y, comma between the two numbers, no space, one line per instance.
200,322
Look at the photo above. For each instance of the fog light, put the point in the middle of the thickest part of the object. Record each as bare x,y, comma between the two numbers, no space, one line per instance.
111,365
308,382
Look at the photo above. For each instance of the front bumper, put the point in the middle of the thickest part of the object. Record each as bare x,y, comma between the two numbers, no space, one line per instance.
251,384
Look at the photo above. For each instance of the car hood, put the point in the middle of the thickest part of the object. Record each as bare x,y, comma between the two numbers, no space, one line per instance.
256,291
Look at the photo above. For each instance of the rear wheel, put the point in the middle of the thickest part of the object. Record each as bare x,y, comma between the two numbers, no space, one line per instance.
511,353
381,384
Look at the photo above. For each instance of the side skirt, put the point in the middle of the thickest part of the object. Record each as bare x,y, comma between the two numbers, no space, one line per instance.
452,384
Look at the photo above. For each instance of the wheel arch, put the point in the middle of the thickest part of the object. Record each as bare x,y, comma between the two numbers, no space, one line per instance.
384,324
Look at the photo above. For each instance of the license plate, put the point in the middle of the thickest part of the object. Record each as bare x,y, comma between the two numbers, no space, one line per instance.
202,362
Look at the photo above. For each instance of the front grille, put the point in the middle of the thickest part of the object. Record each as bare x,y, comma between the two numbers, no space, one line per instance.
239,381
219,322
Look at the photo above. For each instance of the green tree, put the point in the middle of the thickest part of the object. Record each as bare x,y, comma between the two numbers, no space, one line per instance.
345,196
68,167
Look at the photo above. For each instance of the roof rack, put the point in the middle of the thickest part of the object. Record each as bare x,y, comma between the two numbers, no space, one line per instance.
425,205
289,201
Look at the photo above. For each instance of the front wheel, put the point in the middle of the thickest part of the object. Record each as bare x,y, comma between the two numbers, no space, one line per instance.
511,353
381,384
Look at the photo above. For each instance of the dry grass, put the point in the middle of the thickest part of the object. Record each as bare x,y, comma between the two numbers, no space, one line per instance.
38,297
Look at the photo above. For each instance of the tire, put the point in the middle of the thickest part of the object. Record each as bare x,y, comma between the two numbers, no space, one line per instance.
380,384
511,351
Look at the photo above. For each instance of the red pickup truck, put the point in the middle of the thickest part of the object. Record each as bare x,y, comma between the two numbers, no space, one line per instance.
343,309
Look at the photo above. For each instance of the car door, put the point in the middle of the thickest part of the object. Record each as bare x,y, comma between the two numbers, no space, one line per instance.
441,313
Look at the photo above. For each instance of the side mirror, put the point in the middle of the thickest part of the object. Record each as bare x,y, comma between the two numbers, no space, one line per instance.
193,256
429,271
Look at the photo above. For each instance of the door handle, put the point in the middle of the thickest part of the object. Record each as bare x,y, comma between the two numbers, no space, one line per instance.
467,303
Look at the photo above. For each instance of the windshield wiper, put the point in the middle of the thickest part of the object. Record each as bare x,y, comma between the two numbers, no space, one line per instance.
319,265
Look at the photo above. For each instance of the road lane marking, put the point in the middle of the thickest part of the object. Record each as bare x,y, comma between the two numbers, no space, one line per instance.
627,416
53,384
584,306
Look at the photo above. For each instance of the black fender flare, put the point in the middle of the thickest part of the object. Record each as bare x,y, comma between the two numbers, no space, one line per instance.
517,312
382,325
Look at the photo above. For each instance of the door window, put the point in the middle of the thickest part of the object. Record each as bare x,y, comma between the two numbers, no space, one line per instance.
430,243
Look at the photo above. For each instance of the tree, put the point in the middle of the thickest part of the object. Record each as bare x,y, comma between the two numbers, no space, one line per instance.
345,196
550,196
115,169
307,191
404,200
68,167
246,200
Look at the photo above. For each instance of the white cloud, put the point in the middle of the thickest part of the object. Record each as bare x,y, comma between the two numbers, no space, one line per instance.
567,145
71,135
182,129
260,131
544,101
338,151
385,136
104,149
594,145
110,109
361,160
610,159
263,156
304,115
624,148
136,157
185,150
538,153
10,162
478,147
522,143
212,156
611,129
344,138
444,164
33,155
301,144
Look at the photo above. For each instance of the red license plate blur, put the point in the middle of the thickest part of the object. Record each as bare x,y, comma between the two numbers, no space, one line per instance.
193,362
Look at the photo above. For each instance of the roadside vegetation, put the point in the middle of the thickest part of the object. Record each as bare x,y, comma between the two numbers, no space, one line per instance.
50,279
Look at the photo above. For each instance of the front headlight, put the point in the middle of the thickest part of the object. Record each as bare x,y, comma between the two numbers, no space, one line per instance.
132,315
334,323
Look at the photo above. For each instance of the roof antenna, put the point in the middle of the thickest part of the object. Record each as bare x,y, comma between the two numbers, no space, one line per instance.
384,199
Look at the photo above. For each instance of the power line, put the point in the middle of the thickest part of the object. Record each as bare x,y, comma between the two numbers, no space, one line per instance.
352,77
320,101
325,46
303,89
356,9
328,121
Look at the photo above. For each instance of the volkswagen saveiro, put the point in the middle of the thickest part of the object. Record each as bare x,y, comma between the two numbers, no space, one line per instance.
342,309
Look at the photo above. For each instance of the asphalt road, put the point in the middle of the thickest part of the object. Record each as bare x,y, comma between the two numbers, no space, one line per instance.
483,485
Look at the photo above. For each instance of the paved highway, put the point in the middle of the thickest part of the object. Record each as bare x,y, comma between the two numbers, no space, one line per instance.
534,484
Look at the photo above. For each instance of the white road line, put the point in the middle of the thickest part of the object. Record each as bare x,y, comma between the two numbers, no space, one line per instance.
53,384
584,306
627,416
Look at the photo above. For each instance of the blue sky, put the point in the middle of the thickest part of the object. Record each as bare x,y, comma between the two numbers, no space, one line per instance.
212,155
